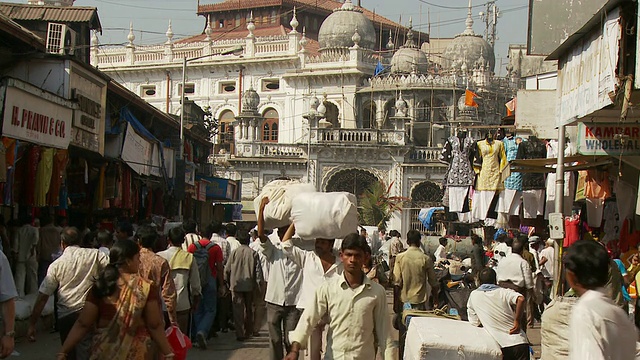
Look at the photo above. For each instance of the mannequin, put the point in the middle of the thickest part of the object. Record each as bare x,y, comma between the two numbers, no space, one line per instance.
533,184
491,155
457,154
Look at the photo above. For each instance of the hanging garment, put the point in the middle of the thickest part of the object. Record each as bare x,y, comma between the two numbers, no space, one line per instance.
597,184
57,176
626,198
3,163
533,203
509,202
494,161
457,197
43,177
595,210
29,188
569,183
571,231
481,204
514,181
534,148
628,240
611,226
458,155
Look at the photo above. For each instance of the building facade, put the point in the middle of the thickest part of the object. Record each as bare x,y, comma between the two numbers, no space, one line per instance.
330,109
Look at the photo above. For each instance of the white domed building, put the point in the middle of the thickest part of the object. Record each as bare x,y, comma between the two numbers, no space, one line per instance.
301,98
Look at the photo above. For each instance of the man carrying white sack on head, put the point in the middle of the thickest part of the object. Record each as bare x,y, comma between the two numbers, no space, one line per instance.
317,266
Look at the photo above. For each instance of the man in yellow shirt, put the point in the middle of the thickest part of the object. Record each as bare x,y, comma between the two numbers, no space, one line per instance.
412,270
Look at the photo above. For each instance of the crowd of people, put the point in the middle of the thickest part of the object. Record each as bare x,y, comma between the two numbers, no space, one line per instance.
116,292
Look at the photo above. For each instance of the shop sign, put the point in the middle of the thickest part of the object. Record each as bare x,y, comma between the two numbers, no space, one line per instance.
156,158
85,139
586,73
608,139
136,152
31,118
217,188
89,113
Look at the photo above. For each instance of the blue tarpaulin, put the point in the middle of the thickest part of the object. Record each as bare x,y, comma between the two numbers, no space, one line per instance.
426,217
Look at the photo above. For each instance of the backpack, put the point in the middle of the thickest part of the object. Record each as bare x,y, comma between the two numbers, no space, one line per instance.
201,255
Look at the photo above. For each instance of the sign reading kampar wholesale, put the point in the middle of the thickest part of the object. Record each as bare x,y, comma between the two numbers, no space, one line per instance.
586,74
608,139
33,119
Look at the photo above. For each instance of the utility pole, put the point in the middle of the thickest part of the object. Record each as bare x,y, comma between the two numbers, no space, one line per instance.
490,18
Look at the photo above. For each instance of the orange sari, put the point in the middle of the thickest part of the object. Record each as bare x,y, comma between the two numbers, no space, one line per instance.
122,340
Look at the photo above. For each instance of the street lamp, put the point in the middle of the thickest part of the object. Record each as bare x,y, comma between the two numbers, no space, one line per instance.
234,50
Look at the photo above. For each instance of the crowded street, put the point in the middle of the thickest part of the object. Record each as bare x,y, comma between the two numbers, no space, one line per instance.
319,179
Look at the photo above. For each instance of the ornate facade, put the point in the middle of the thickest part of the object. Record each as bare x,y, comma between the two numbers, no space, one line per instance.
289,105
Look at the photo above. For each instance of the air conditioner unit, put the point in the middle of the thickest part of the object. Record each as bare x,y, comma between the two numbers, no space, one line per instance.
61,39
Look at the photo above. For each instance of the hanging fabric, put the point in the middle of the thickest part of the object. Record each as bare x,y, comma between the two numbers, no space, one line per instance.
43,177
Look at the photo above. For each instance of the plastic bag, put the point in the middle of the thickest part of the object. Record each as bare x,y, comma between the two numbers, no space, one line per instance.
331,215
180,343
277,213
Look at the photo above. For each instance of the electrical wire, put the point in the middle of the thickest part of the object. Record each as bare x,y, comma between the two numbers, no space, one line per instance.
451,7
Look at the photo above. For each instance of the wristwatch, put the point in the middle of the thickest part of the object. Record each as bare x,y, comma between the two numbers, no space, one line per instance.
11,333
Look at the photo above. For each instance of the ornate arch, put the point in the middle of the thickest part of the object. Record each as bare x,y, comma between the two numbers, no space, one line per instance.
350,179
426,193
219,109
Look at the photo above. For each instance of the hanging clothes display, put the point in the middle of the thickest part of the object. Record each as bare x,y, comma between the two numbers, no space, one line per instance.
611,226
29,183
533,184
571,230
491,154
510,199
457,154
626,198
43,177
597,188
569,183
57,176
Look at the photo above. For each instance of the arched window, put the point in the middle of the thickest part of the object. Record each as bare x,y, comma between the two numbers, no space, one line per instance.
369,115
226,132
270,126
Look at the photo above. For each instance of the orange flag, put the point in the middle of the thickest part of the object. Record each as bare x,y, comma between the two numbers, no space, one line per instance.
511,106
469,98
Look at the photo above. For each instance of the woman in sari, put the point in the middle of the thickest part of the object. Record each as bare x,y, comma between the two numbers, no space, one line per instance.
123,308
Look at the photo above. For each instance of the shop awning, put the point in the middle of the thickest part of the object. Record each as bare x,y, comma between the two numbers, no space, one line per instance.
546,165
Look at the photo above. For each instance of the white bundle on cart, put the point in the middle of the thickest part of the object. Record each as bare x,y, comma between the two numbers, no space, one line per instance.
446,339
277,213
331,215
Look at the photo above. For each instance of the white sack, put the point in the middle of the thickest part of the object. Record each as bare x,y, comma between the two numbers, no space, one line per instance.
23,309
331,215
554,333
447,339
277,213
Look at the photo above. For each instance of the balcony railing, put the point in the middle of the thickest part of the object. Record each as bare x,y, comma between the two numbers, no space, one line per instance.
424,154
361,136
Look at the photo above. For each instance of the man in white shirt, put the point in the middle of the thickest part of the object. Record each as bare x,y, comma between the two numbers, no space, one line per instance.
231,231
190,227
502,248
283,290
71,275
441,250
598,328
515,273
105,239
185,275
317,266
492,307
547,261
259,305
356,308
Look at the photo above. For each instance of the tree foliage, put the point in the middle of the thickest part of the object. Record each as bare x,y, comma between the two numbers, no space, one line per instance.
377,205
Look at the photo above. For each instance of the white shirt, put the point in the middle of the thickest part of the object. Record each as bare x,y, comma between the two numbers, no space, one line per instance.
73,274
598,329
285,276
189,239
224,246
183,278
233,243
515,269
266,265
313,274
358,320
440,253
548,268
494,311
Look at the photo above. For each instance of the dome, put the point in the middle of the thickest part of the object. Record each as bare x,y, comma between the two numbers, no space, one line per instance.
338,28
409,58
250,101
469,49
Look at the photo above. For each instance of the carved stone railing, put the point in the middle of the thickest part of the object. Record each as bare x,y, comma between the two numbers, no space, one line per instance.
443,80
281,150
424,154
360,136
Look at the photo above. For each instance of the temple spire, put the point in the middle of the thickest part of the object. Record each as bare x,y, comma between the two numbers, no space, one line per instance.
469,22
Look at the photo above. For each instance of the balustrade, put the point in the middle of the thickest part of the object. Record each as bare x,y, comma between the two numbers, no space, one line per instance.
424,154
